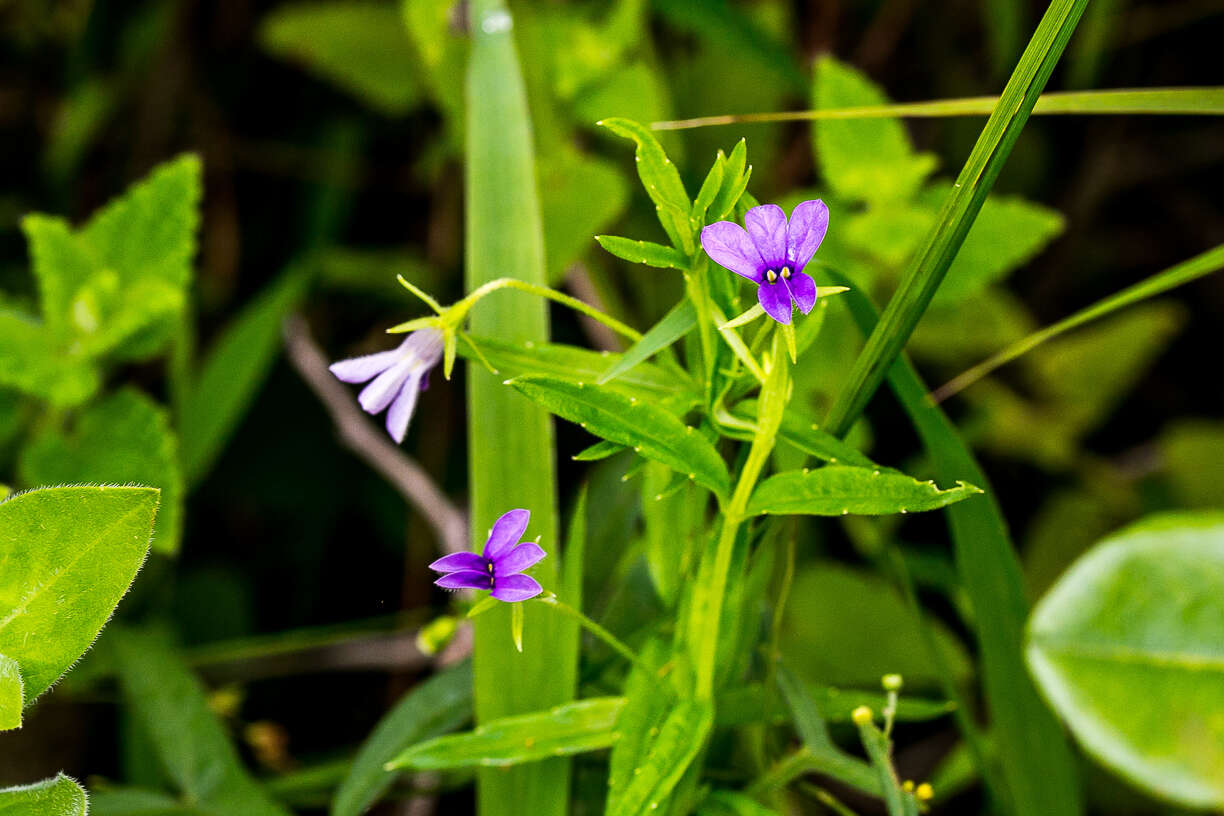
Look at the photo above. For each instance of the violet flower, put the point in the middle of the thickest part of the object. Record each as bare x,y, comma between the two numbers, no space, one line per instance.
772,253
398,375
500,567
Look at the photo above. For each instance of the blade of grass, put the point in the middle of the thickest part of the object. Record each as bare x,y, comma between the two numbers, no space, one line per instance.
1193,269
1204,101
928,267
511,449
1037,765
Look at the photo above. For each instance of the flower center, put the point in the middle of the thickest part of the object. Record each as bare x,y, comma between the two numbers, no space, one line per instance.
773,276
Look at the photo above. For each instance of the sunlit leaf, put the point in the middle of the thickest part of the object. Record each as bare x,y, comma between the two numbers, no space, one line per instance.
58,796
838,490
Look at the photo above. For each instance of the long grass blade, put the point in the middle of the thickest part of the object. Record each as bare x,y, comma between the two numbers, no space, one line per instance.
926,271
1205,101
511,449
1185,272
1038,768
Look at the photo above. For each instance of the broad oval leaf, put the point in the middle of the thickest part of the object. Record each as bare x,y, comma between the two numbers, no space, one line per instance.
79,549
1127,648
58,796
650,431
571,728
440,704
839,490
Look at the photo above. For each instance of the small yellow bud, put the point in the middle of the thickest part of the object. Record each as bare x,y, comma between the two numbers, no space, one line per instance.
908,786
925,792
862,715
892,682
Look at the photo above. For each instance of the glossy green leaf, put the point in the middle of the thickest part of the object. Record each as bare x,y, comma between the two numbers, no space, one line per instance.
680,737
679,321
503,236
643,252
439,705
79,549
864,160
661,179
838,490
361,47
171,708
58,796
600,450
232,374
124,439
652,432
12,694
571,728
1126,647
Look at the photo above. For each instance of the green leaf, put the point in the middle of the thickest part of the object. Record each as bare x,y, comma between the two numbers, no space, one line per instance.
753,703
679,321
33,363
136,802
800,430
504,237
730,803
672,749
709,188
926,271
1007,233
1126,647
826,756
12,694
600,450
58,796
838,490
361,47
570,728
643,252
736,173
867,159
1192,451
171,708
439,705
232,374
648,700
661,179
124,439
650,431
79,549
844,609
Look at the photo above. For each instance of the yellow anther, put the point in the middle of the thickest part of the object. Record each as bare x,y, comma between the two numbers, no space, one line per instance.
771,276
786,271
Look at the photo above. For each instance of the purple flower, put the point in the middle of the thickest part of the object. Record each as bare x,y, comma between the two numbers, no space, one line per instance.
398,376
500,567
772,253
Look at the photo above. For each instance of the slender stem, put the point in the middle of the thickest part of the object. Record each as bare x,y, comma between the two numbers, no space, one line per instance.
551,294
595,629
784,771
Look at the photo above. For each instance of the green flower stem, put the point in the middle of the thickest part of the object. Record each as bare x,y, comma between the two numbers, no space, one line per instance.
461,308
772,402
595,629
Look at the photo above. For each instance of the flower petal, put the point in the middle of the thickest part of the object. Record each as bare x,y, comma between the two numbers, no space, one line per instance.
378,395
426,345
518,559
460,561
506,532
731,247
808,225
467,579
776,300
360,369
767,226
401,410
803,290
516,588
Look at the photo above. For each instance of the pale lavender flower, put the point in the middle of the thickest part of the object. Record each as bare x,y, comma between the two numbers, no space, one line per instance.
499,568
398,377
772,253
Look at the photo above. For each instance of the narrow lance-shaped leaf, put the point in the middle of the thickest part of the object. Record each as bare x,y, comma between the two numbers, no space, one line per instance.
58,796
572,728
679,739
652,432
79,549
643,252
440,704
510,443
661,179
926,271
838,490
679,321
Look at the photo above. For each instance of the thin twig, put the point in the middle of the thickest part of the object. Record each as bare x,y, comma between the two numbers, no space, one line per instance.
370,443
